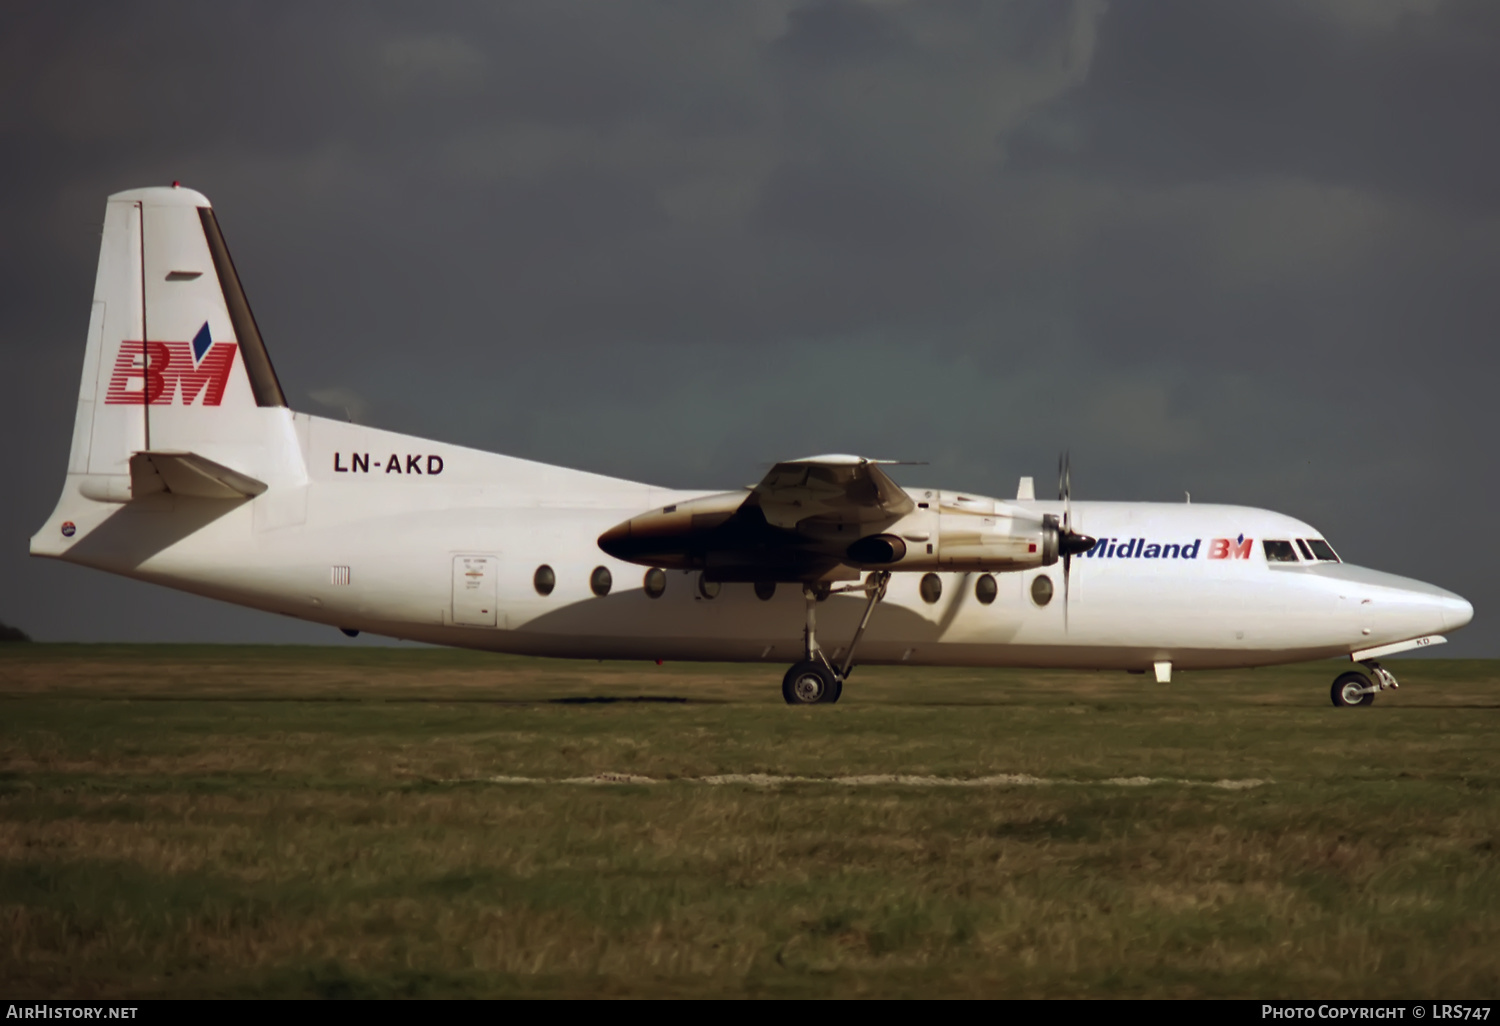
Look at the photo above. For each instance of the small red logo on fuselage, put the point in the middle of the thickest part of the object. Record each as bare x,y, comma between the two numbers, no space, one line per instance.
166,370
1229,548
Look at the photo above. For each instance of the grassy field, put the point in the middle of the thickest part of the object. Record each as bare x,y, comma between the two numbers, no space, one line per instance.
201,821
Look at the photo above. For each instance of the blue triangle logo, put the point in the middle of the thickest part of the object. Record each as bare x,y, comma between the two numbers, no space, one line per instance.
201,343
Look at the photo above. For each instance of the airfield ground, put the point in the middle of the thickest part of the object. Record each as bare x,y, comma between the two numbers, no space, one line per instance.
200,821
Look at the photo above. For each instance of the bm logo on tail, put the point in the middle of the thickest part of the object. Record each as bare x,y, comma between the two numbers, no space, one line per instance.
165,370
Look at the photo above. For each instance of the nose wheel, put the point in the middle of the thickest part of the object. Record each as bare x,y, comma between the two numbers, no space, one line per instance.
1354,690
811,684
816,681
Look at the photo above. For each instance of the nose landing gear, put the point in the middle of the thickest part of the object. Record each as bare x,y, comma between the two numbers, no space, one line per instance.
815,680
1354,690
810,683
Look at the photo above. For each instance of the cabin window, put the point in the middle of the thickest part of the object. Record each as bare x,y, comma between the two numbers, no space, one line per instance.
544,580
931,588
985,589
1041,590
655,582
1306,552
708,589
764,590
1279,552
601,580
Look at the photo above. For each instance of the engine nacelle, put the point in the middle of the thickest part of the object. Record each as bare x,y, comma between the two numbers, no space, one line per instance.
679,536
982,543
877,550
979,535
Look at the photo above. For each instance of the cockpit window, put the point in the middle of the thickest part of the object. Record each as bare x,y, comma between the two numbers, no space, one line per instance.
1322,550
1306,553
1280,552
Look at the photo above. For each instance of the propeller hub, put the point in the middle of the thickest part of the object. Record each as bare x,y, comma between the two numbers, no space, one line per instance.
1071,543
1058,542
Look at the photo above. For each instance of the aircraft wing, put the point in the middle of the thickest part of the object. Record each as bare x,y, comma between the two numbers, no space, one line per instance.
830,489
796,525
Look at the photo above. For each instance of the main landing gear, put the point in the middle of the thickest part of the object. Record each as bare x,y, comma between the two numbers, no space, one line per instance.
815,680
1354,690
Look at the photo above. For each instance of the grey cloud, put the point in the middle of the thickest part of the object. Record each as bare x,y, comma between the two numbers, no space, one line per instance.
1183,91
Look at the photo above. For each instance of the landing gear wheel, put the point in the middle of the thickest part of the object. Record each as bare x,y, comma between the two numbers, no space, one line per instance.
1349,691
809,683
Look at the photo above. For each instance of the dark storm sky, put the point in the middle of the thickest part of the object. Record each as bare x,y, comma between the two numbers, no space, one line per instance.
1248,250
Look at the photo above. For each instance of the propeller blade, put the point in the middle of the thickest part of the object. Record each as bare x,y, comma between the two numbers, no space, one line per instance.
1069,541
1065,488
1067,573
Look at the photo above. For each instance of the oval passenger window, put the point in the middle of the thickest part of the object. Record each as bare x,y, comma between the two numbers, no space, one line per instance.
544,580
655,582
1041,590
601,580
985,589
931,588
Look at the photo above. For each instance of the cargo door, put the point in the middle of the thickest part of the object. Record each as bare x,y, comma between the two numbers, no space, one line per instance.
474,590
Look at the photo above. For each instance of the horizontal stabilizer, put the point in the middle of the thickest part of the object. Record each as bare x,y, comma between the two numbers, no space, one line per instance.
187,473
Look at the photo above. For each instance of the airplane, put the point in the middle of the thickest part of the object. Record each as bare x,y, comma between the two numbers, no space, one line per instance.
188,469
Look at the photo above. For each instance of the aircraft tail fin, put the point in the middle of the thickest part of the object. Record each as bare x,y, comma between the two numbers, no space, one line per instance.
174,354
178,393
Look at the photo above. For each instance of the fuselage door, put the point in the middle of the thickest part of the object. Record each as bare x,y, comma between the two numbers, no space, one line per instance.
474,590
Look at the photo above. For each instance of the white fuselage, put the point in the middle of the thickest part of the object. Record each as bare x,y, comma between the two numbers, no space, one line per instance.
188,469
342,538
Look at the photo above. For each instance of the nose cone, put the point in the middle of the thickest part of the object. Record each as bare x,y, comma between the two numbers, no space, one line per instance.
1431,609
1388,608
1456,612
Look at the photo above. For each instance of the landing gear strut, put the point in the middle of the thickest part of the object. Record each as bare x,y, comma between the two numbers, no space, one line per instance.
1354,690
815,680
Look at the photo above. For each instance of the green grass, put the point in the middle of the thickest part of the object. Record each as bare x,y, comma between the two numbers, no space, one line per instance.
204,820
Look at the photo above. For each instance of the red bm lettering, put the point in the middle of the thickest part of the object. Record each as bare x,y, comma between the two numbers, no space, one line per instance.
166,370
1229,548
